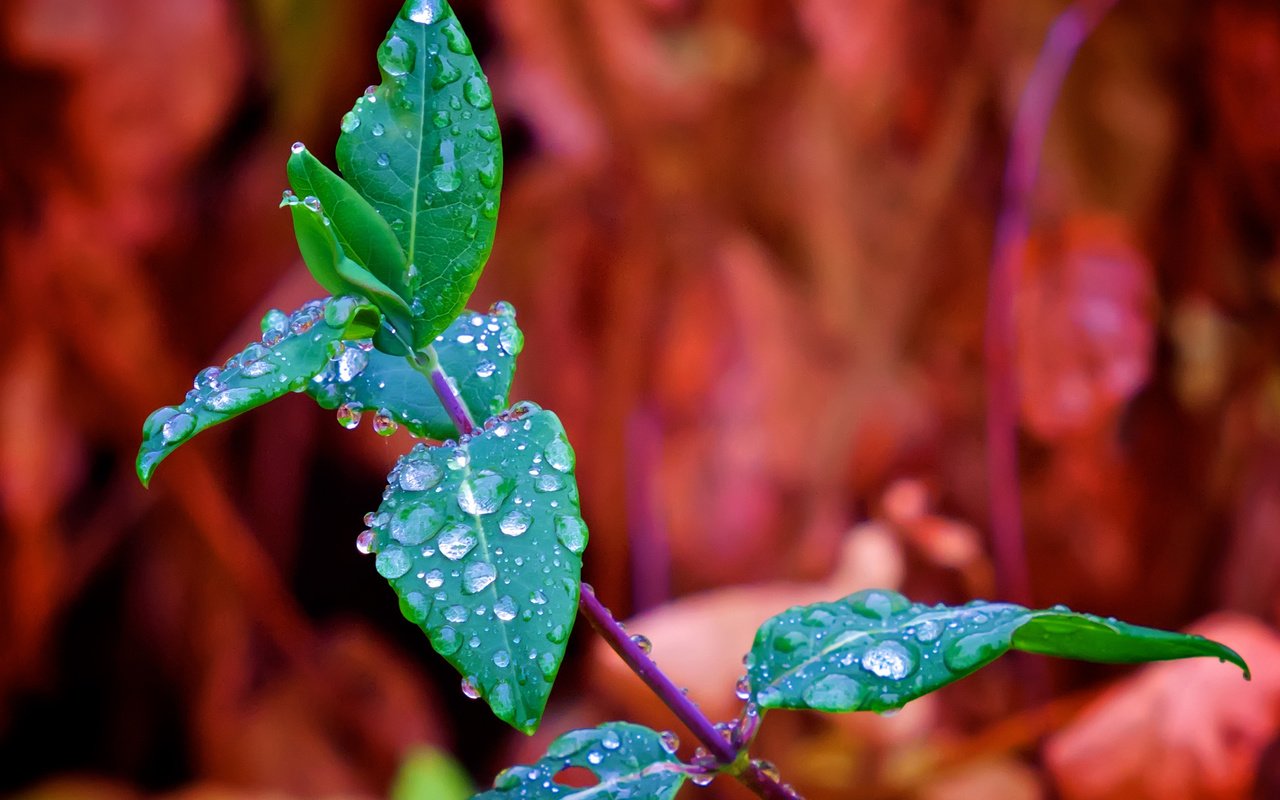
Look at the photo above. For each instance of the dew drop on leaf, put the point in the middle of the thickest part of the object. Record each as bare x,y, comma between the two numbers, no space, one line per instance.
392,563
515,523
833,693
477,576
364,542
888,660
418,476
470,689
456,542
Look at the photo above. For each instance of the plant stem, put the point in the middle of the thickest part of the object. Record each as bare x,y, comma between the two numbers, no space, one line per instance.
428,363
1068,32
753,776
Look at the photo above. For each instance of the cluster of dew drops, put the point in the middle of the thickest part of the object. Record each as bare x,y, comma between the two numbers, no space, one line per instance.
352,359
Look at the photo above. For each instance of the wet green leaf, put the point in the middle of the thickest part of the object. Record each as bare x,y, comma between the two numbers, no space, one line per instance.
424,148
294,348
428,774
361,231
628,761
876,650
478,352
483,543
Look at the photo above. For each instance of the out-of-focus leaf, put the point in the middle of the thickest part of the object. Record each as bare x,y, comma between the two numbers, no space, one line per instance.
424,148
332,269
628,761
429,774
361,231
483,543
876,650
293,349
478,352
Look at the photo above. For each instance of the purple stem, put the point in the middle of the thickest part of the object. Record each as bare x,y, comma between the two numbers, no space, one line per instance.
1068,32
671,695
726,753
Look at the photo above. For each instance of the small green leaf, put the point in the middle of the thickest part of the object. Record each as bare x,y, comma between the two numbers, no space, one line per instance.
628,761
424,148
478,352
876,650
364,235
332,269
428,774
483,543
293,349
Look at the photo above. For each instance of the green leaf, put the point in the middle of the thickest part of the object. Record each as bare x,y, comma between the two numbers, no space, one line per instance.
293,349
629,761
332,269
876,650
363,234
483,543
428,774
424,148
478,352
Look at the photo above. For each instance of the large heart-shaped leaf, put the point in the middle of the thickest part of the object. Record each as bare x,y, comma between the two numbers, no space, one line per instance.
876,650
424,148
478,352
628,761
483,543
293,349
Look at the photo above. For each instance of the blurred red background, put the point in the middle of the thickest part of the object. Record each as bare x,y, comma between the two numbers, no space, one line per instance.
749,243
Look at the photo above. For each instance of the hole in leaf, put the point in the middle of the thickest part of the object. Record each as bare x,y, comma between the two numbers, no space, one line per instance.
576,778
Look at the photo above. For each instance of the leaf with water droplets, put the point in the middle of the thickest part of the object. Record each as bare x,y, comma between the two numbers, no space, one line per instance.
478,352
496,600
424,148
361,231
627,761
876,650
294,348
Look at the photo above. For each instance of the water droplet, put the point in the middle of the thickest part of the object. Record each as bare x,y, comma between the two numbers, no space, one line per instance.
768,769
178,428
876,604
742,688
790,642
275,320
447,175
702,778
833,693
445,640
349,416
383,159
515,523
549,482
669,741
231,401
364,542
397,56
928,630
351,364
477,576
559,454
595,757
414,525
505,609
501,700
434,579
457,40
888,660
458,459
642,641
456,542
477,92
558,634
350,122
470,689
446,73
484,493
972,651
384,424
418,476
485,369
298,147
488,173
501,659
572,533
511,339
393,563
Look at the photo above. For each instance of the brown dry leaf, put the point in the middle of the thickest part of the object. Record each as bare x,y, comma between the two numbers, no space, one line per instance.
1182,730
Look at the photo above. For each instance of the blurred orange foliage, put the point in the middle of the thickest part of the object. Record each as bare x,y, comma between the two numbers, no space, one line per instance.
749,242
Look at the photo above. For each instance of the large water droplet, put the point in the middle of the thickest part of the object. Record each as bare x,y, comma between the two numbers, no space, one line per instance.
349,416
364,542
505,609
889,660
447,175
548,482
351,363
972,651
572,533
928,630
511,339
350,122
446,73
425,12
641,641
501,659
833,693
515,523
456,39
456,542
559,454
445,640
477,92
392,563
231,401
418,476
384,424
397,56
477,576
669,741
484,493
415,524
470,689
178,428
485,369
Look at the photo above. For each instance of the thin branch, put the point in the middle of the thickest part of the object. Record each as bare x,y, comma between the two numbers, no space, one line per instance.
1068,32
428,364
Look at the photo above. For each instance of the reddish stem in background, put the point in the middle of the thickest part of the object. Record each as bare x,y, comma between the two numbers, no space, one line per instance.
1069,31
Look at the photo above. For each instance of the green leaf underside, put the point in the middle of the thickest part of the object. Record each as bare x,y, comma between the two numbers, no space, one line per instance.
478,351
294,348
483,543
424,148
361,231
629,761
330,265
876,650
